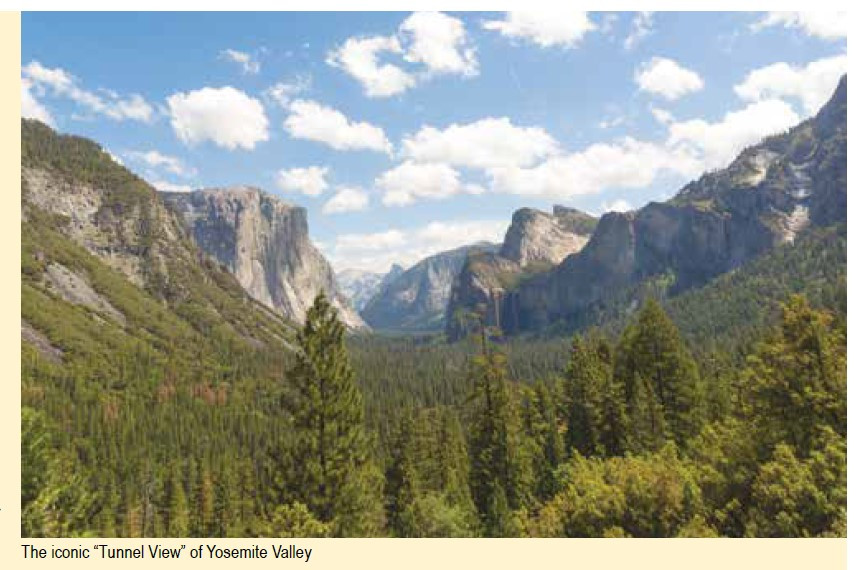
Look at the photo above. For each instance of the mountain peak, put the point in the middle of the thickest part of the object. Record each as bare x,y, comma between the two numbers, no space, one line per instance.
535,236
244,193
771,193
264,242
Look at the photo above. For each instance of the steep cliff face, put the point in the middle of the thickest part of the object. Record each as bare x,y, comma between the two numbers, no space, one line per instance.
264,242
767,196
100,248
538,237
416,299
479,289
535,242
128,229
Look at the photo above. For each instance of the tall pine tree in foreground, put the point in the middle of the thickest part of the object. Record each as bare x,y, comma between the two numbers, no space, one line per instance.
335,476
591,423
499,475
799,377
401,484
661,380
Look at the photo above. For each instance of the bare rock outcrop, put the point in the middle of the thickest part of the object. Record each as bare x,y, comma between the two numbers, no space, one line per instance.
264,242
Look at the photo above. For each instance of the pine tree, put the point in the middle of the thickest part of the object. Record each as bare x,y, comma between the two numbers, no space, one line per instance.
647,424
335,477
799,377
108,512
498,473
206,502
615,439
178,513
549,440
401,485
585,383
652,359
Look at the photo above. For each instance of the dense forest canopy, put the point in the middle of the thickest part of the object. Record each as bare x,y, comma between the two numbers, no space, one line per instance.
632,437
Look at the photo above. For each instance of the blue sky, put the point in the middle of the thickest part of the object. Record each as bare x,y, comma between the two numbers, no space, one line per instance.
404,134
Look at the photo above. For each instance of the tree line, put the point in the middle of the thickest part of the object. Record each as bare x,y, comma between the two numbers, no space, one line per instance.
630,438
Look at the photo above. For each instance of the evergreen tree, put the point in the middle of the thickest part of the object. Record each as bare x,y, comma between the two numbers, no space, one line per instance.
401,485
647,423
653,360
498,473
615,428
206,502
541,427
800,377
335,477
796,497
294,520
178,513
585,382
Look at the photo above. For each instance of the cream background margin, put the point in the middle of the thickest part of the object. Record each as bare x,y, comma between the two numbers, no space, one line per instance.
643,554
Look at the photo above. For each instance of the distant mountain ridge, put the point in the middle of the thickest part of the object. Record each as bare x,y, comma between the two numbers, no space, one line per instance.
416,299
767,196
359,286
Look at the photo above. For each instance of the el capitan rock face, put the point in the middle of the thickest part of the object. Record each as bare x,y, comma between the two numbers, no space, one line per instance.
264,242
767,196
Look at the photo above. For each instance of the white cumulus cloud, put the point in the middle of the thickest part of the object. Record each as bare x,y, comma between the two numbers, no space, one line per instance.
310,181
665,77
312,121
168,163
663,116
715,144
439,42
811,84
359,58
377,251
346,200
410,181
618,205
376,241
824,25
481,144
689,148
282,92
546,28
426,44
31,108
225,115
61,83
628,163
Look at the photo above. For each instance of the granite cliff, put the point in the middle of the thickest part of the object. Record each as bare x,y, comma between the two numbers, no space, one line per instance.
264,242
535,242
768,195
105,264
